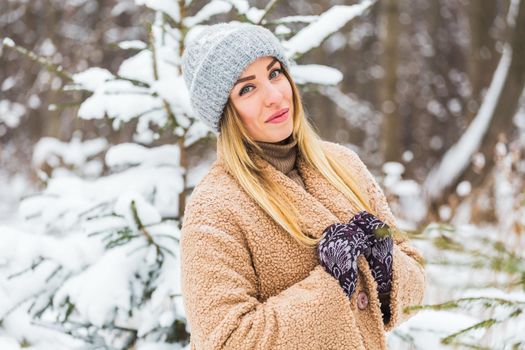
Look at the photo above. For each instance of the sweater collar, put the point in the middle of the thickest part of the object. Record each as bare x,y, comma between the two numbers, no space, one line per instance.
281,155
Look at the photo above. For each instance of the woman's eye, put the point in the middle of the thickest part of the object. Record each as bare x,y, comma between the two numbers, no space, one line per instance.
275,73
245,90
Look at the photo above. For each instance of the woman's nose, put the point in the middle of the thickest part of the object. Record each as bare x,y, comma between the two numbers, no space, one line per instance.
273,94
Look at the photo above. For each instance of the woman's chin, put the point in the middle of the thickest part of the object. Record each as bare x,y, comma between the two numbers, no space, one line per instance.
278,136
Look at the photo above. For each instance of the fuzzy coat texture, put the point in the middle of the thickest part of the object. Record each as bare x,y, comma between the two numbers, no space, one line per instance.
247,284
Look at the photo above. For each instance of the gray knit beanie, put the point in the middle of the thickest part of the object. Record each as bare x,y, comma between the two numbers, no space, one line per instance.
214,60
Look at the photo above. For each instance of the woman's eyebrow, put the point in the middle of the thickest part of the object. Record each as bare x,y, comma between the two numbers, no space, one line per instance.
271,64
244,79
253,76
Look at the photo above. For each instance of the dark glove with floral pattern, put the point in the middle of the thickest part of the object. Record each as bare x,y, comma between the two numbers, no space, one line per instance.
379,250
338,251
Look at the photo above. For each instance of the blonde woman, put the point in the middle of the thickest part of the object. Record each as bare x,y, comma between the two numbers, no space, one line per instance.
287,241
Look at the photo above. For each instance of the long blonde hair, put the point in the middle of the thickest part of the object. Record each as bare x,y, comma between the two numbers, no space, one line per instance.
233,140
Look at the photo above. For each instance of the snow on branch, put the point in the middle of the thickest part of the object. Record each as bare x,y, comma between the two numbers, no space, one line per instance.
169,7
458,157
316,74
328,23
212,8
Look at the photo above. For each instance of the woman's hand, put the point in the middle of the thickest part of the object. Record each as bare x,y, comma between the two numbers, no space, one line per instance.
338,251
379,250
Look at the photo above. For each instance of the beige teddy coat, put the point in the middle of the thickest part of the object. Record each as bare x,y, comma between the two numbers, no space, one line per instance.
247,284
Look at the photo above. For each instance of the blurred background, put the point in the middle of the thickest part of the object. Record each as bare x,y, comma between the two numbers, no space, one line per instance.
428,93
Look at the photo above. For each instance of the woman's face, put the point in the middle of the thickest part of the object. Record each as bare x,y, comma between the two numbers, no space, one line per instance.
263,93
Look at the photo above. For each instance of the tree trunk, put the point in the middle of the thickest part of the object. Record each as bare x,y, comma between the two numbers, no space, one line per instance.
389,34
482,56
500,121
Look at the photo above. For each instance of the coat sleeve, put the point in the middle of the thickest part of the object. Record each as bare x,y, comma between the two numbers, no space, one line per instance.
408,274
220,297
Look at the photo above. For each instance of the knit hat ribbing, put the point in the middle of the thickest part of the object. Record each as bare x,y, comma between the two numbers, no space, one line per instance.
214,60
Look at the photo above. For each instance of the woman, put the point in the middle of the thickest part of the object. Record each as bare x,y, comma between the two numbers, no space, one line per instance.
283,242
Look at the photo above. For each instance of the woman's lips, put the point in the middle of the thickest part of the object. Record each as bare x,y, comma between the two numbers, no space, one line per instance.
280,118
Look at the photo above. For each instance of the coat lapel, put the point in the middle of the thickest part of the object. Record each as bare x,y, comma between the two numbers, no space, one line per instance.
320,205
323,191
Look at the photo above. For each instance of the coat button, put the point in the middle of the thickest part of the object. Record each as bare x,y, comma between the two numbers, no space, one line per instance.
362,300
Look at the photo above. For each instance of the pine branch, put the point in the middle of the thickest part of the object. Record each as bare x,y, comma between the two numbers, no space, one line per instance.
34,295
135,82
103,205
85,332
32,267
44,61
469,346
516,310
153,49
499,258
269,7
154,109
63,105
453,304
480,325
139,223
167,236
407,338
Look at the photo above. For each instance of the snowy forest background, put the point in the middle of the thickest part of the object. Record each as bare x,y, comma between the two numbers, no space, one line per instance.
100,150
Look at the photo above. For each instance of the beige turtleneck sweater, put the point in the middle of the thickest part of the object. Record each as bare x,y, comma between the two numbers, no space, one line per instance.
282,155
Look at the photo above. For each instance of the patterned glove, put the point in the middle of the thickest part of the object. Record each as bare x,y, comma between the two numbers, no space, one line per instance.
338,251
379,250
